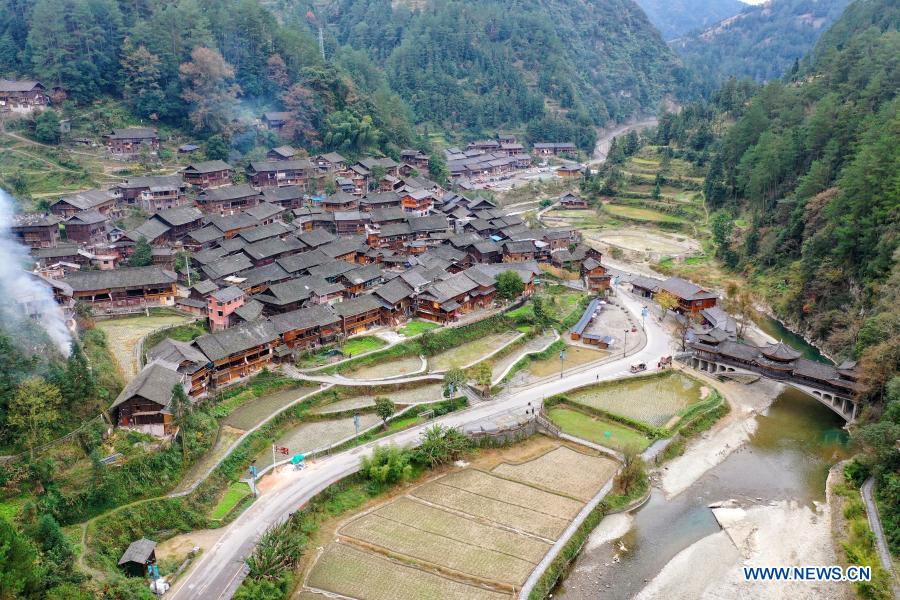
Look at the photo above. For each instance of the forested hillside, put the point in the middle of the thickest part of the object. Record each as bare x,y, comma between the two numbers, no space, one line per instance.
804,181
760,43
675,18
558,65
198,64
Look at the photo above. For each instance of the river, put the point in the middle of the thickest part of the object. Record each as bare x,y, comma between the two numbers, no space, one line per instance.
787,458
777,330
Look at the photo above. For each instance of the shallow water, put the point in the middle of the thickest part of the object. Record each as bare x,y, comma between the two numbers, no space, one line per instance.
788,457
777,330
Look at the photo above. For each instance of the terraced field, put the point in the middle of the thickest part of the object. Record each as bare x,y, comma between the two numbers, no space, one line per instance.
653,400
470,352
315,435
394,368
346,570
467,534
124,334
415,395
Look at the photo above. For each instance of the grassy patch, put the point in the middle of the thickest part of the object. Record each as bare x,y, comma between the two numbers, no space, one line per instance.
575,357
417,326
637,213
358,345
859,547
235,493
595,429
182,333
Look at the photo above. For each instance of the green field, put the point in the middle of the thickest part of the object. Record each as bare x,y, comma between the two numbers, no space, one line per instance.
235,493
417,326
595,429
652,400
637,213
358,345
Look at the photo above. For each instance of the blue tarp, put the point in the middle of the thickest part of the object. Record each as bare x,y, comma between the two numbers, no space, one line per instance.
586,317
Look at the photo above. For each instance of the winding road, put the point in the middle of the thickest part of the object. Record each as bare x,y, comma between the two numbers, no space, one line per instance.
218,572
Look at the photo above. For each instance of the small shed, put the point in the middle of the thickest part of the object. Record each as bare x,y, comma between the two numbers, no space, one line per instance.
139,554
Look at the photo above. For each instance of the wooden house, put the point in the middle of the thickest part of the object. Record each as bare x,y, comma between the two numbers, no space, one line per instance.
417,202
595,276
570,171
22,96
228,200
208,174
331,162
180,220
691,298
277,173
350,222
282,153
238,352
184,358
289,196
131,140
340,201
146,402
124,290
358,314
87,227
152,194
397,301
138,557
308,327
521,251
572,201
554,148
102,201
36,230
275,120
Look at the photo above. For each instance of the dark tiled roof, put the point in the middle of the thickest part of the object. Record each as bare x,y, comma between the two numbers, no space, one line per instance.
229,192
221,344
394,291
179,215
356,306
210,166
154,382
119,278
227,265
138,552
317,315
227,294
683,288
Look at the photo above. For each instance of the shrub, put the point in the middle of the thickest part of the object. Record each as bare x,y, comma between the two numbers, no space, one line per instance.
440,445
388,465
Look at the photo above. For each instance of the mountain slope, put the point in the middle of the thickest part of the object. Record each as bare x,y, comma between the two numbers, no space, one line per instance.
760,43
675,18
508,62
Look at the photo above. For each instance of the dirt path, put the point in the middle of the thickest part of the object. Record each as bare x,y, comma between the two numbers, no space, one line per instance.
880,541
606,137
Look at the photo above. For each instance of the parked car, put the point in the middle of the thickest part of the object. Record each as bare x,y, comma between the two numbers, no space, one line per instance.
638,367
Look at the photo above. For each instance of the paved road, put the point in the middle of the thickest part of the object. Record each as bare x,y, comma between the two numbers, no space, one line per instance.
218,572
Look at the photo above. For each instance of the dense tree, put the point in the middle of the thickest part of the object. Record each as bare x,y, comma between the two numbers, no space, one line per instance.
509,285
78,385
210,90
34,411
454,379
141,79
46,127
19,571
142,255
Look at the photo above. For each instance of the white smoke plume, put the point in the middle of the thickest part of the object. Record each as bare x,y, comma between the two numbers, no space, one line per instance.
22,296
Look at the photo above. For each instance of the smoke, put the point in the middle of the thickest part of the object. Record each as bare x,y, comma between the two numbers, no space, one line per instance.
23,296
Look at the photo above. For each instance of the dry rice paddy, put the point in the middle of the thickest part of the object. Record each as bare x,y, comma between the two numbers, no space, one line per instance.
575,356
124,334
394,368
416,395
315,435
470,352
653,400
468,534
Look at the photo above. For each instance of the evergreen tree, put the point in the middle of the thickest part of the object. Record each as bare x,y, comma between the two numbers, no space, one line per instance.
142,255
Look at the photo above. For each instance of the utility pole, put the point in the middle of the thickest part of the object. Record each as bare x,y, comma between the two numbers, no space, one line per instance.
562,358
625,344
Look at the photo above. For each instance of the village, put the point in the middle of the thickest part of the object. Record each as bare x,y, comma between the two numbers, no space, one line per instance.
289,264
